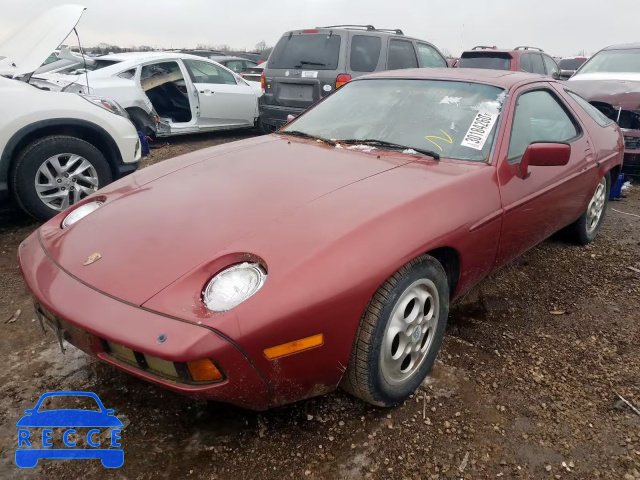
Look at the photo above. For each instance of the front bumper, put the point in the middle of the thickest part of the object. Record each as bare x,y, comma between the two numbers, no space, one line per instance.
89,318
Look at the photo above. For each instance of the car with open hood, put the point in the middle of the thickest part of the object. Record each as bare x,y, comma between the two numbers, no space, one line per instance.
57,148
164,93
610,80
273,269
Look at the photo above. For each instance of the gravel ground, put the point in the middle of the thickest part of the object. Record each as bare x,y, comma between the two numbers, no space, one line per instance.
518,392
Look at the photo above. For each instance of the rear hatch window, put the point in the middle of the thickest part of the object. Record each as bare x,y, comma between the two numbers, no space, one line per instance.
571,63
490,61
319,51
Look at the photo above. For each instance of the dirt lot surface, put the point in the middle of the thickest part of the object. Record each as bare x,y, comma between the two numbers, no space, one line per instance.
518,392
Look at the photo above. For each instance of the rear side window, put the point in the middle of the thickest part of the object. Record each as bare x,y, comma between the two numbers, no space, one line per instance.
401,55
365,53
313,51
536,64
429,58
525,63
551,65
489,61
600,118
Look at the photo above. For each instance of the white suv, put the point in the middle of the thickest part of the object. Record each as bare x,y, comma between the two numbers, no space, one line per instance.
57,148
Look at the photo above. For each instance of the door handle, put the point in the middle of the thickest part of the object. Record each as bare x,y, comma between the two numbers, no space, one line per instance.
207,92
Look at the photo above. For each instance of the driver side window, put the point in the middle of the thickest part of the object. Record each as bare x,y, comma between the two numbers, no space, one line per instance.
539,118
205,72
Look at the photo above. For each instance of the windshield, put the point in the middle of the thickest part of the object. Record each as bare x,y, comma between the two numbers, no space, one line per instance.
614,61
308,51
453,119
571,63
493,61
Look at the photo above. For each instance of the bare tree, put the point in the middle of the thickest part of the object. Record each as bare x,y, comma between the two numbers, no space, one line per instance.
261,46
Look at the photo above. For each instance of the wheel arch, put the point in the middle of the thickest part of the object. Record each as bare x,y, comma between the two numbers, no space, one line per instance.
449,258
85,130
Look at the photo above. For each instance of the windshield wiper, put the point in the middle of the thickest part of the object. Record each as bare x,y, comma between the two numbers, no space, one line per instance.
390,145
305,62
298,133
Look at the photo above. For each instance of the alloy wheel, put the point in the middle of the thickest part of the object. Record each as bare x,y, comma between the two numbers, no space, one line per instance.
65,179
410,331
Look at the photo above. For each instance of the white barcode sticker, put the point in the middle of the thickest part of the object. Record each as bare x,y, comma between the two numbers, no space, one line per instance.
309,74
479,130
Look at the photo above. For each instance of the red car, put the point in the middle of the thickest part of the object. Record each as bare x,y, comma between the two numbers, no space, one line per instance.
520,59
278,268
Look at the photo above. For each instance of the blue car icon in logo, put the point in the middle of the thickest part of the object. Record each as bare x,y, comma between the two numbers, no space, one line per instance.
31,448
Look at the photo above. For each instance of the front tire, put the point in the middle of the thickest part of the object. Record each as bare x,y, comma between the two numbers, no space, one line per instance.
584,230
400,334
55,172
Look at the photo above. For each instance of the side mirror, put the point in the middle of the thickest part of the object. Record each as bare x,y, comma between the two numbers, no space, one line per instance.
544,155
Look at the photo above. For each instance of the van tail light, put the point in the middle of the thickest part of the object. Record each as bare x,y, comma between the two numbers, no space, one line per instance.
342,79
262,82
310,31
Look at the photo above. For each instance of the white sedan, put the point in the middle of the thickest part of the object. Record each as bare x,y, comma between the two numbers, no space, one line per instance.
165,93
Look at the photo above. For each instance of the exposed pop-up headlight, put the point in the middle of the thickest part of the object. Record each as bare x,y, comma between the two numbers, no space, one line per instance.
232,286
80,212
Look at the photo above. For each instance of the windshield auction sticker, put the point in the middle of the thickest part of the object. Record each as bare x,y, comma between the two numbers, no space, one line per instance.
479,131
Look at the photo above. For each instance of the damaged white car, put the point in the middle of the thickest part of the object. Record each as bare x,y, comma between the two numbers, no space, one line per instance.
164,93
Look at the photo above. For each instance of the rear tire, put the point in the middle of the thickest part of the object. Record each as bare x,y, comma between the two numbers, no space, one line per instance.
584,230
265,128
27,168
400,334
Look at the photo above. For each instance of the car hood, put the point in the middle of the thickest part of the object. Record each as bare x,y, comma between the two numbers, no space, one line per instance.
159,223
623,94
29,46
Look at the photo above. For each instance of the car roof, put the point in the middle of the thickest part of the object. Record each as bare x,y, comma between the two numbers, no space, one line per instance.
218,58
141,56
624,46
512,51
503,78
360,29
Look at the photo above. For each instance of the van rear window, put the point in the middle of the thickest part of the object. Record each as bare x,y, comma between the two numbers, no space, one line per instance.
489,61
313,51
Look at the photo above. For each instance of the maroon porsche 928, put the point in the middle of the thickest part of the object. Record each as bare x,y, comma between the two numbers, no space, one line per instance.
269,270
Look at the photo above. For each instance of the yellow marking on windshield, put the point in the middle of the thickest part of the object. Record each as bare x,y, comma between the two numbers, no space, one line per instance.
448,140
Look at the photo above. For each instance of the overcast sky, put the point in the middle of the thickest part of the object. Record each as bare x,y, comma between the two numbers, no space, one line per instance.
560,27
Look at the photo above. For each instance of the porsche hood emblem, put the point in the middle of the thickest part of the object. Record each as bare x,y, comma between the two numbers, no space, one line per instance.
92,259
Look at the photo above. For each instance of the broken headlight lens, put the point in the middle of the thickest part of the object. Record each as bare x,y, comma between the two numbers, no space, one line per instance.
232,286
79,213
109,105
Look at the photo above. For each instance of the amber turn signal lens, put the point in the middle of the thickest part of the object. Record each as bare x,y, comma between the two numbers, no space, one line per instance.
294,347
203,371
